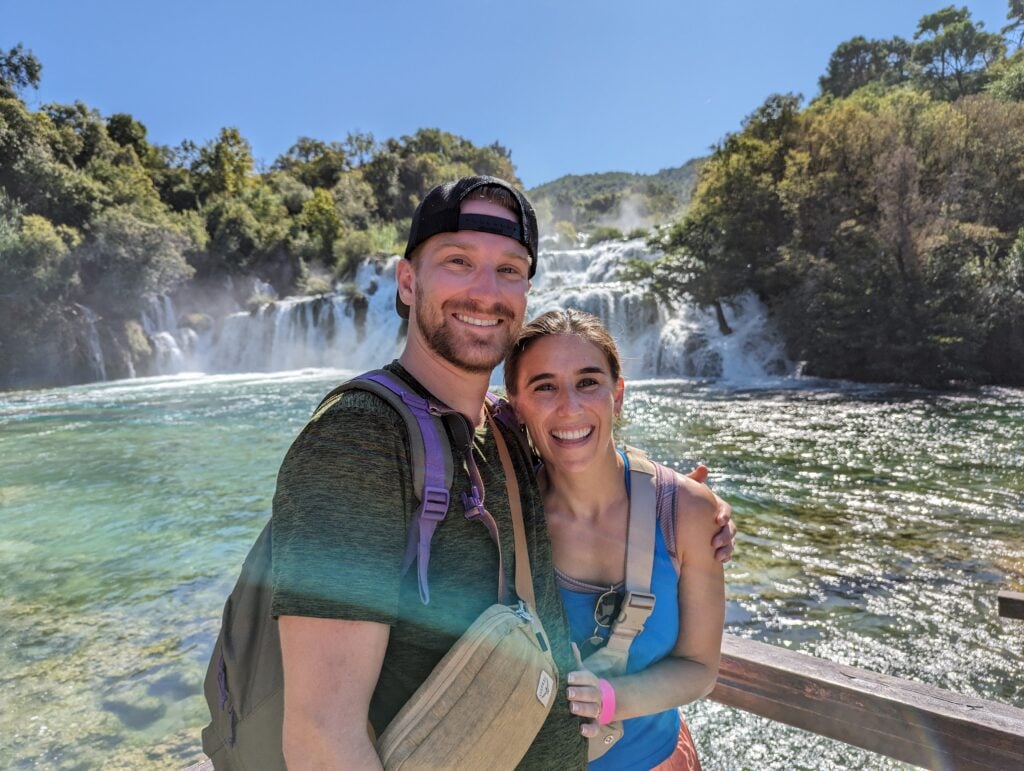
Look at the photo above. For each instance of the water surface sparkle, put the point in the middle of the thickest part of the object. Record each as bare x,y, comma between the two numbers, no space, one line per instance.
877,527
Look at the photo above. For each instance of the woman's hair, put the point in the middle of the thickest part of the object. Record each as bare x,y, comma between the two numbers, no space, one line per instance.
561,322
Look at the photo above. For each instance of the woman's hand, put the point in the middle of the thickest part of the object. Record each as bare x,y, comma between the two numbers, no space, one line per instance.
584,693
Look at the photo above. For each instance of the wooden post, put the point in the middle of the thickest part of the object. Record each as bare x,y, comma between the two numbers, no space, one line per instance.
1011,604
914,723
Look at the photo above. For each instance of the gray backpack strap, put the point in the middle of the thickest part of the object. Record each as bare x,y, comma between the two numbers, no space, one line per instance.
638,602
666,485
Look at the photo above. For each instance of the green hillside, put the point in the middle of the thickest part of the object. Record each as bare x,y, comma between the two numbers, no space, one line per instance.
616,198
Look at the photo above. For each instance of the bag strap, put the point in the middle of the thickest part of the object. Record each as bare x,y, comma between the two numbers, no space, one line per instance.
524,574
506,416
432,466
638,602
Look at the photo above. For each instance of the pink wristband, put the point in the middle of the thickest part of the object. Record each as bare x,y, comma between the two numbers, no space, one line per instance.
607,702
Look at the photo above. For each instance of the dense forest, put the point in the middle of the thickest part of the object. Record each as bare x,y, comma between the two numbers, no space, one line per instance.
93,217
883,223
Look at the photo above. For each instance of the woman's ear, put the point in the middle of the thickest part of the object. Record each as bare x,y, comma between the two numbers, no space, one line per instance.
620,393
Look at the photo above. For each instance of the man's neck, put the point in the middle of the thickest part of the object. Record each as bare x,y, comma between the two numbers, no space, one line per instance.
460,390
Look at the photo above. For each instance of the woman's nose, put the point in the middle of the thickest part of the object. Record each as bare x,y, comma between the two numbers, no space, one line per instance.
568,401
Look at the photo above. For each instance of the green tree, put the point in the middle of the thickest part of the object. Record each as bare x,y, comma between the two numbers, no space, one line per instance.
19,69
954,52
129,256
224,166
37,177
124,130
315,163
320,220
1007,82
245,231
1015,27
860,61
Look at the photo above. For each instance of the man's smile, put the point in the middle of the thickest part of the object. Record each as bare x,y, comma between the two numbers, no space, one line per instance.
475,321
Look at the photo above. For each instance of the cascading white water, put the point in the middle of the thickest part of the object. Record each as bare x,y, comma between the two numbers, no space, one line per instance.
654,340
357,327
91,343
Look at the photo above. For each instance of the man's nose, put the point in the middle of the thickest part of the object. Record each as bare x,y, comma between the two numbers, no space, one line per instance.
484,286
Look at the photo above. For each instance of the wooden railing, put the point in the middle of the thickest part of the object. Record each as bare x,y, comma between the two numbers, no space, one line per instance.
914,723
908,721
1011,604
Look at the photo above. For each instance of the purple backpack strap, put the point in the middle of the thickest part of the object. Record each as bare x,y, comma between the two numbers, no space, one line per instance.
431,466
431,461
503,413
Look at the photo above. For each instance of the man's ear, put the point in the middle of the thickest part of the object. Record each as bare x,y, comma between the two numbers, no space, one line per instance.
405,275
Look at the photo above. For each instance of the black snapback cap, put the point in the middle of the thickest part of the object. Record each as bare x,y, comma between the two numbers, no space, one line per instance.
440,212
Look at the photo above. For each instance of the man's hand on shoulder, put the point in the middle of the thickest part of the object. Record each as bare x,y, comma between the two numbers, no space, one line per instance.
724,540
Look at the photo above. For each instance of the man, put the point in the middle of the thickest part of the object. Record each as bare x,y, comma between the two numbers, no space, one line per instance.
356,640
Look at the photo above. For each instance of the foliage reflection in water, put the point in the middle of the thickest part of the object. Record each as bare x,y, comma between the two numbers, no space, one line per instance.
877,526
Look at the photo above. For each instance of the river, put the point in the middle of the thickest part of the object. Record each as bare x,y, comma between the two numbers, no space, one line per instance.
877,525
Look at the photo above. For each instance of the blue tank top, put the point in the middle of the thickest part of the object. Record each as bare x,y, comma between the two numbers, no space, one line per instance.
649,739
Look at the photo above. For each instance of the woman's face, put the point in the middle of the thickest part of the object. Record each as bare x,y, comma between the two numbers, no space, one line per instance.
568,400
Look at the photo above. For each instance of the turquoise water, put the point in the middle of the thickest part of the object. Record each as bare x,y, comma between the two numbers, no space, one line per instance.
877,527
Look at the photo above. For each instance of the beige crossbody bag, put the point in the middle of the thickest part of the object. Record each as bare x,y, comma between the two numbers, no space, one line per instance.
486,700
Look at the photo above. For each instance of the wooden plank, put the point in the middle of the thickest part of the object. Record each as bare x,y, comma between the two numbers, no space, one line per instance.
912,722
1011,604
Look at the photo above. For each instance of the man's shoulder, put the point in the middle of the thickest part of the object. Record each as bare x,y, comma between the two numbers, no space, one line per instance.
352,398
352,407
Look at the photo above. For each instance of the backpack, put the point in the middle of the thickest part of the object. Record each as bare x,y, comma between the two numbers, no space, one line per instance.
652,502
244,685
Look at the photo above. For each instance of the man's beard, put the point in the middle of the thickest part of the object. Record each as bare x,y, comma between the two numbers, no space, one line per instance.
467,353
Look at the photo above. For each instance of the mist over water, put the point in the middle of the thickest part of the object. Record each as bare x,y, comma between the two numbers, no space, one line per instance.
877,526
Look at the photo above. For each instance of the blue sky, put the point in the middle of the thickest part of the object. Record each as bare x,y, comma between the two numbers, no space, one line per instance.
571,87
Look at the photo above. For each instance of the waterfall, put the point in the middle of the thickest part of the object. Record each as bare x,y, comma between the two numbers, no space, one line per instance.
90,343
169,341
357,327
654,340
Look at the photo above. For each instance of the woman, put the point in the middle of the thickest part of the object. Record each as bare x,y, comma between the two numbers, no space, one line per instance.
563,378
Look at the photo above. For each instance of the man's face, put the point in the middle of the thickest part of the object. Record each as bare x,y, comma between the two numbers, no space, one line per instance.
468,292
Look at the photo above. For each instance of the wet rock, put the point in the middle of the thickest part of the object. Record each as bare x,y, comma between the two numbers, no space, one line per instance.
137,712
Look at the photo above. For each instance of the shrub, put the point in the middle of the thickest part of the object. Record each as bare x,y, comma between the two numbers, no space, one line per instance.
604,233
257,300
315,284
